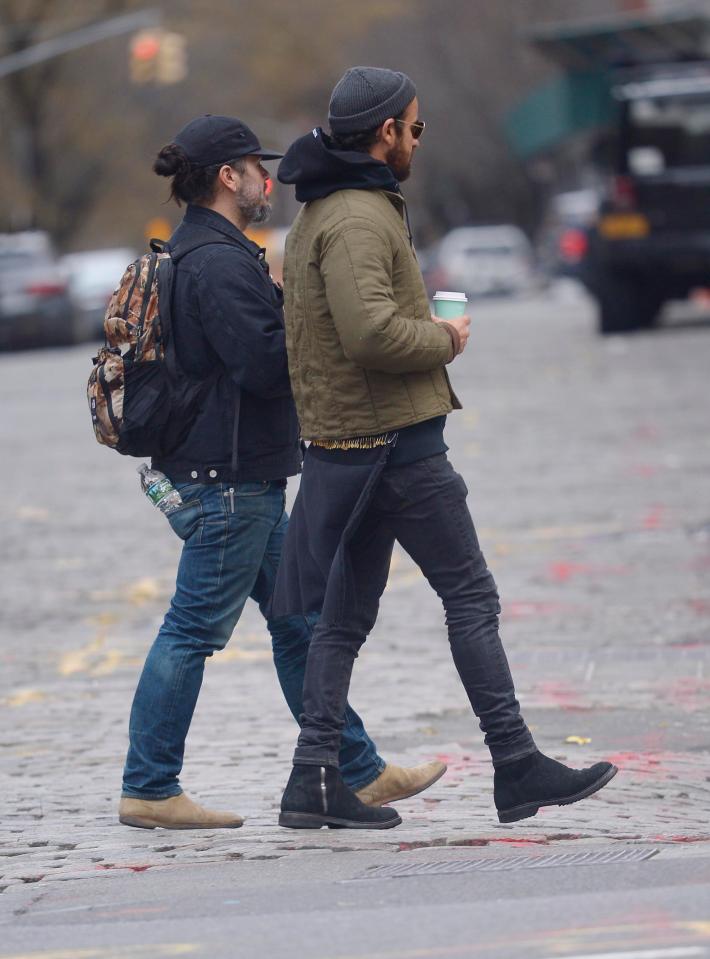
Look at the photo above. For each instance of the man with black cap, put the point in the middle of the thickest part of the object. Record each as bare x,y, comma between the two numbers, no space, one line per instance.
368,372
230,471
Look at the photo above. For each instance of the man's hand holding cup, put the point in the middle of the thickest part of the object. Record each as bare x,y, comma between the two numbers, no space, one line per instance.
451,308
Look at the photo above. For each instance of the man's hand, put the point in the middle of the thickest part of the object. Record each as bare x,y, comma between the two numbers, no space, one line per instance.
462,326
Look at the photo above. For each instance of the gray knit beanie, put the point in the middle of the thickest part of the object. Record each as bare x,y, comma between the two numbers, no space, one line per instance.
365,97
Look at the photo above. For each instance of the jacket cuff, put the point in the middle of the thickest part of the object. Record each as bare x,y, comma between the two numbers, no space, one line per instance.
455,340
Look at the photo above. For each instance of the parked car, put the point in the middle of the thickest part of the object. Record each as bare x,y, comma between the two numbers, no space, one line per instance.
651,243
563,239
35,306
484,261
92,276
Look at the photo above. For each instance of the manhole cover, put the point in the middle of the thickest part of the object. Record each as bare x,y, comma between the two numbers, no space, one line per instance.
404,869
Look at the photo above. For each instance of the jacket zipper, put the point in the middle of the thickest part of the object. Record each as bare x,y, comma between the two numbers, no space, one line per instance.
324,794
230,494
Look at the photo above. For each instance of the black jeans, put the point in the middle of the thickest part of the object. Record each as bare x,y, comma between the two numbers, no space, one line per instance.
423,507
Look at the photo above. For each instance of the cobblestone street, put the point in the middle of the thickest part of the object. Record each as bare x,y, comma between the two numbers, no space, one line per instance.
588,465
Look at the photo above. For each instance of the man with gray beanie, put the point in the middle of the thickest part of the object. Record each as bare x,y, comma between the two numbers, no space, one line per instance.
368,371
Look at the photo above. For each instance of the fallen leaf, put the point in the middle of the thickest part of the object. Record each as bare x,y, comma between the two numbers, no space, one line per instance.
25,696
143,591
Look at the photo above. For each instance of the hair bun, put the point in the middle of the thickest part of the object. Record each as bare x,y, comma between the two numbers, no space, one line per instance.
171,161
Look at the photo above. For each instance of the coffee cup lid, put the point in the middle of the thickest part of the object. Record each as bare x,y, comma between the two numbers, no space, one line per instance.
447,295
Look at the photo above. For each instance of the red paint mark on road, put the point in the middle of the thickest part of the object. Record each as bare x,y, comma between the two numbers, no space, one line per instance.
701,607
689,693
655,517
661,838
469,842
504,840
563,571
560,695
423,844
691,643
646,764
134,911
654,742
662,766
521,610
460,765
480,841
110,865
542,841
643,470
645,432
460,760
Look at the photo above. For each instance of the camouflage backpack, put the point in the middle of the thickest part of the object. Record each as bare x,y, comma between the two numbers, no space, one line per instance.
141,403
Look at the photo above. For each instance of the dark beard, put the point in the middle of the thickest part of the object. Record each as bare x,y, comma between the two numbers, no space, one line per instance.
399,163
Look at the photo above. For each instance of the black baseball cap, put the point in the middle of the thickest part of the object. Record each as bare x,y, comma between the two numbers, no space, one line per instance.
209,140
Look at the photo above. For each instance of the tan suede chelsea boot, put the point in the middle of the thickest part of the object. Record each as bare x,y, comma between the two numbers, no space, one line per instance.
177,812
399,782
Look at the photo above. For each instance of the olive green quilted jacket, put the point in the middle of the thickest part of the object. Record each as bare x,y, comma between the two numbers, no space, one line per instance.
364,355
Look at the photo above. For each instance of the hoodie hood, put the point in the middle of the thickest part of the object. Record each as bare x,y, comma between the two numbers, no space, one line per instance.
318,169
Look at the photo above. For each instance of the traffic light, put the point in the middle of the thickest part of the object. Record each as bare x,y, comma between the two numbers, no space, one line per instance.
158,56
172,59
144,49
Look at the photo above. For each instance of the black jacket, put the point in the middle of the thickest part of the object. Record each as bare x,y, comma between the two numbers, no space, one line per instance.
228,325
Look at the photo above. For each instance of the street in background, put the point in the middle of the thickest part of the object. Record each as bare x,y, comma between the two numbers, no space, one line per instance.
638,86
563,239
587,464
481,261
35,307
92,277
651,243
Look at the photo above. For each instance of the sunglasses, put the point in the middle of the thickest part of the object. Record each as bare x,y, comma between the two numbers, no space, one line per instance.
417,127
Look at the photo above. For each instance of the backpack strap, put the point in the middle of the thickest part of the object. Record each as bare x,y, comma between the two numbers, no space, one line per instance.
160,246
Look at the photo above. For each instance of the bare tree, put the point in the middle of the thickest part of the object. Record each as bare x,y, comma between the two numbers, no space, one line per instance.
79,139
48,191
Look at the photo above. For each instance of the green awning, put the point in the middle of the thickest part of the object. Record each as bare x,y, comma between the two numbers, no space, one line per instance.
567,106
589,52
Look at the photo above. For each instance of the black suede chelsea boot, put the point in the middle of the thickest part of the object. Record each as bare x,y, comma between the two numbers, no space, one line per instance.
520,788
316,796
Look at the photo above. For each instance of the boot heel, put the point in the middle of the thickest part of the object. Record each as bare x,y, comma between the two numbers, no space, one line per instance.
301,820
515,815
136,823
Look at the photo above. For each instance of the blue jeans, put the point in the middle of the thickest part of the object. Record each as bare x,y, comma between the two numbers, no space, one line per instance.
232,544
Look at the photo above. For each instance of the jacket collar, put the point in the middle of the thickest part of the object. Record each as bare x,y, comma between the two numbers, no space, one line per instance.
203,217
397,201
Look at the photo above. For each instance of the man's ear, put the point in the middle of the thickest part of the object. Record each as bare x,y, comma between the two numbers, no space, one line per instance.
388,130
228,177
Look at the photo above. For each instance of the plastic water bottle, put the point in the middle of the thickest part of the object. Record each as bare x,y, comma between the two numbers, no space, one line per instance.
159,490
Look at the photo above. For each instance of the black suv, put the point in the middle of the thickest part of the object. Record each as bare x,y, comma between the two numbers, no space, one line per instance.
651,242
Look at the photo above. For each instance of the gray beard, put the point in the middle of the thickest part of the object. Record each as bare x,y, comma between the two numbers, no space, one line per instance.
252,206
256,213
